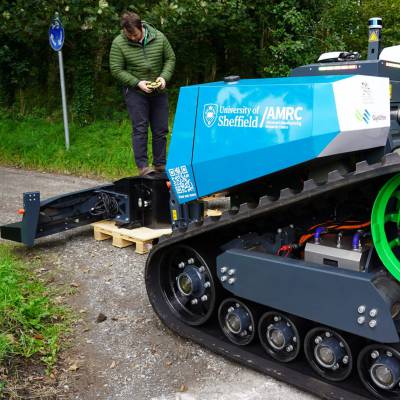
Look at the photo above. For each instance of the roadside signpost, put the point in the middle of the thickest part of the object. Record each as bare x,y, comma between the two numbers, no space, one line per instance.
56,39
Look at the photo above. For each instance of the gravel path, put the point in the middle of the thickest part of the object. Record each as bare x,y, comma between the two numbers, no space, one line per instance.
130,355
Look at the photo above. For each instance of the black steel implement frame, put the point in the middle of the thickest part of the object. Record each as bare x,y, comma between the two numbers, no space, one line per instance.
134,202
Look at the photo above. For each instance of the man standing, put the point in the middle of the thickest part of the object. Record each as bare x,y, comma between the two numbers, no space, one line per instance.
142,59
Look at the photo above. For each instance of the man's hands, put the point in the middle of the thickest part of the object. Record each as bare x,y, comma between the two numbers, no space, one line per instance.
142,85
148,86
162,81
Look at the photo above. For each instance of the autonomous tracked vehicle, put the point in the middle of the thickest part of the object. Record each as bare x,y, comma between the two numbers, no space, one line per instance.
296,271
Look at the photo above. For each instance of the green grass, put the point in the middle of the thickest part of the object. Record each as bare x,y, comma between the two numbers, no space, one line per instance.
102,149
30,323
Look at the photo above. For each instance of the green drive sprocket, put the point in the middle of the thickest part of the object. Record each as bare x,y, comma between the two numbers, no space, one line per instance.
385,225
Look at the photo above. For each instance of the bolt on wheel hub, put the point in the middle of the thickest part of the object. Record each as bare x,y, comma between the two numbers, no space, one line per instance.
279,336
379,370
328,354
236,321
187,283
191,282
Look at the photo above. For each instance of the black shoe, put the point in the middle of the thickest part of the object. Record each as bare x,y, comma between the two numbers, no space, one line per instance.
146,171
159,168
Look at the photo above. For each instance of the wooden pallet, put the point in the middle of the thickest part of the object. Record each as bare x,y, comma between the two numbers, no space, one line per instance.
212,212
143,237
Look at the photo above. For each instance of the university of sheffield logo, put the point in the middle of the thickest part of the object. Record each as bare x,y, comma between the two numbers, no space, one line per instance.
210,113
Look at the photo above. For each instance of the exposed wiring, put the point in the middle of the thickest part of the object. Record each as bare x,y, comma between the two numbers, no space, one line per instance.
333,227
287,249
106,206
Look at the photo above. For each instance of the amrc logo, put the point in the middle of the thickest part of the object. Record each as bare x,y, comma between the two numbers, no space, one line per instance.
210,113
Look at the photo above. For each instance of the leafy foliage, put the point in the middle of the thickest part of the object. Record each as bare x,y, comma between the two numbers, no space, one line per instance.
211,38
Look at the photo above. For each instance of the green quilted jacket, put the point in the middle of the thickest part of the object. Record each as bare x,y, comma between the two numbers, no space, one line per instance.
132,62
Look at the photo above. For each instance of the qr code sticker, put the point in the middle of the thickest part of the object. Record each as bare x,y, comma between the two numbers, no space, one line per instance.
181,180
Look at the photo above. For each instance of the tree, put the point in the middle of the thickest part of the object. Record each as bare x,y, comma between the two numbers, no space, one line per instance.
211,38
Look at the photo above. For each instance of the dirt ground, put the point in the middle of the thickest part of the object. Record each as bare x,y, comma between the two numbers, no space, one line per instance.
130,355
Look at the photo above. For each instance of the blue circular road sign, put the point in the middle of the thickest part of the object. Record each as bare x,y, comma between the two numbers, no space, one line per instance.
56,34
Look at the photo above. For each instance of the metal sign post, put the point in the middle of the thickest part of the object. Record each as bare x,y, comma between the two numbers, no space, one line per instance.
56,39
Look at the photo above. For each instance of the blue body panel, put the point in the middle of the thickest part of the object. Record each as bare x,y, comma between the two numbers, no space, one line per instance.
179,164
227,134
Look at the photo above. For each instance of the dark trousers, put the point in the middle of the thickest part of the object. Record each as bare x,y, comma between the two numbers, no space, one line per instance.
143,110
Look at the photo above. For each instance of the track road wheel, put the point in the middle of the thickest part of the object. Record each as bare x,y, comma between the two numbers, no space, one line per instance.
279,336
379,370
236,321
385,225
328,353
187,284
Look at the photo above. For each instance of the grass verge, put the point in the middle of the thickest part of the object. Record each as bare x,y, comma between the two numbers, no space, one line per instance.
31,324
102,149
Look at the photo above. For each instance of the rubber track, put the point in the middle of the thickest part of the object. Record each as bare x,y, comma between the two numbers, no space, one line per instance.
297,376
